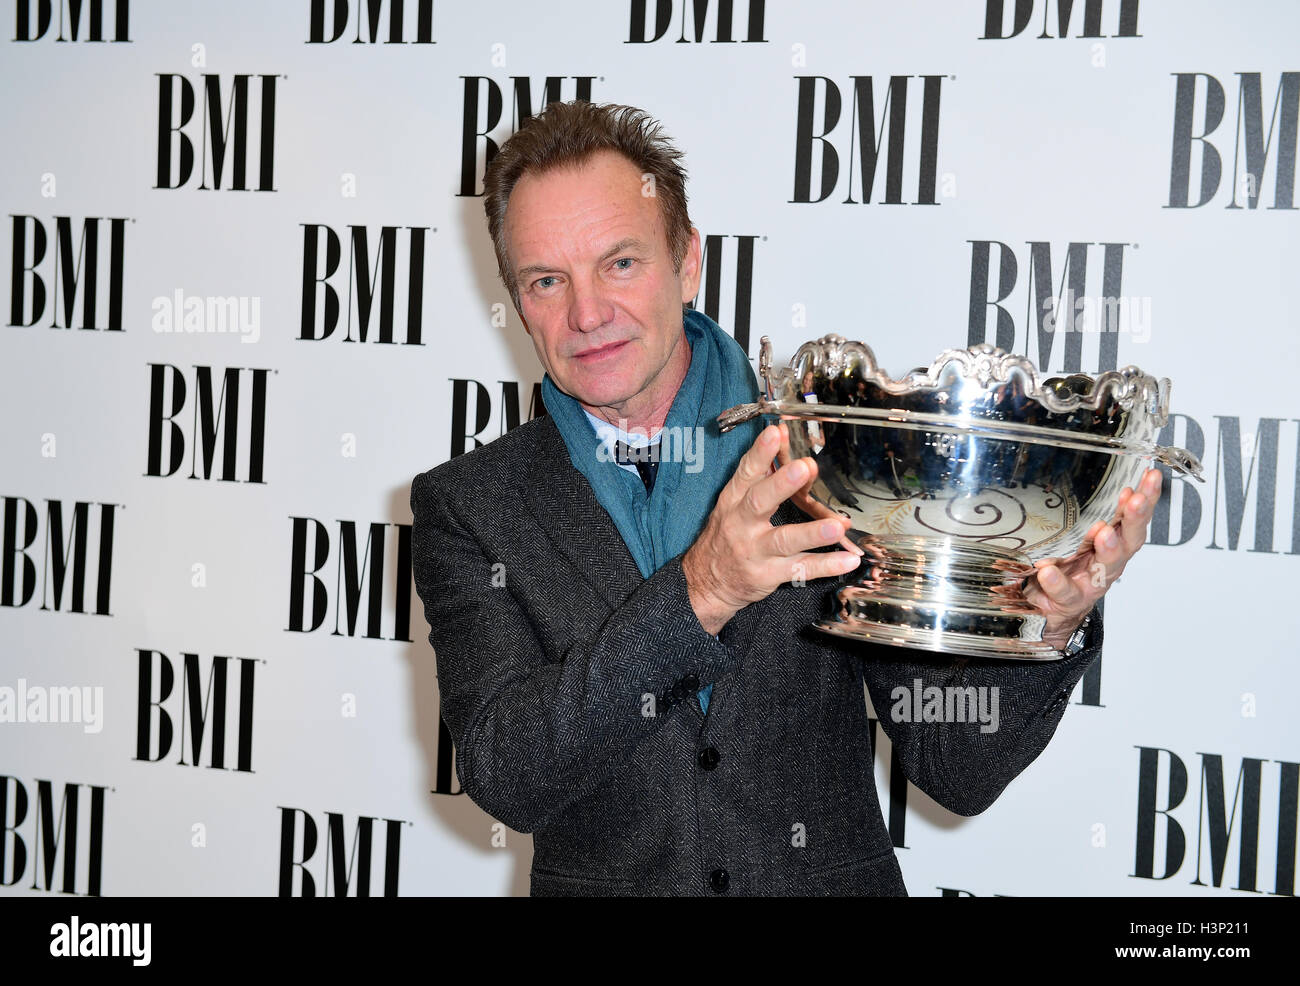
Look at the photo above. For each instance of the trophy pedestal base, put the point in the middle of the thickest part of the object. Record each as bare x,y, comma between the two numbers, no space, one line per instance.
942,596
941,641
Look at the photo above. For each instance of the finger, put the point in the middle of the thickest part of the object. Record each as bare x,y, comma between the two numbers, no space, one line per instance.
848,545
1111,555
1124,494
1152,483
791,539
783,450
1137,518
757,462
1135,509
818,511
812,507
1065,595
821,565
765,496
784,456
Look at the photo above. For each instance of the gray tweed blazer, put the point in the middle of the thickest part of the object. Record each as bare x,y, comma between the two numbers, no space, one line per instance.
568,683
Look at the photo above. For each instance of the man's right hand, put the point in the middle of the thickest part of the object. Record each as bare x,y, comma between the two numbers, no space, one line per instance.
740,557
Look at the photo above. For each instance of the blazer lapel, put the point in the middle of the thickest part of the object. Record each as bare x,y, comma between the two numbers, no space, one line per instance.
566,507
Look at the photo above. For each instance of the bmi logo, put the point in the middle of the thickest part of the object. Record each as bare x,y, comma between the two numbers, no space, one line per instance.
343,870
66,840
1059,309
650,24
417,24
472,412
222,132
484,107
1223,819
66,556
200,708
216,414
360,577
71,25
372,282
76,275
1245,457
740,285
997,26
872,141
1199,106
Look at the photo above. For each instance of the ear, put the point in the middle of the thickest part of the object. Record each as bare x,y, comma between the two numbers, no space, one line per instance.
690,275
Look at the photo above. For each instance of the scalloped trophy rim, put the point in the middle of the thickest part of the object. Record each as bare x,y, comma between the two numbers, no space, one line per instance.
1129,387
984,364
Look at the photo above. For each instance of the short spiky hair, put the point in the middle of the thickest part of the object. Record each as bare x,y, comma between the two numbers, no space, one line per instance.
568,134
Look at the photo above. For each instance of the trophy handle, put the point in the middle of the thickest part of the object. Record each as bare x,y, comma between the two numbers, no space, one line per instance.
1180,459
741,413
765,365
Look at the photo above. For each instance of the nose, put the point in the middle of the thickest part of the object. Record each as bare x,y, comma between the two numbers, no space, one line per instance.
588,307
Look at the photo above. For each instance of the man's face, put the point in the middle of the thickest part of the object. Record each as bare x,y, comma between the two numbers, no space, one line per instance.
597,290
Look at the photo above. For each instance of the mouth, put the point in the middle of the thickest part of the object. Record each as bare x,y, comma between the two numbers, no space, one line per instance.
600,353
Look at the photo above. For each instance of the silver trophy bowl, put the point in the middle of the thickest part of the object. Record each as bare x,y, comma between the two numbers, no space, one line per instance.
957,479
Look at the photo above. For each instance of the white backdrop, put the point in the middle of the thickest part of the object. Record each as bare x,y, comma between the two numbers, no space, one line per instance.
1044,148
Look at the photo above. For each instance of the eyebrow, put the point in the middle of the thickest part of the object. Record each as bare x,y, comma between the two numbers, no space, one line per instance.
627,243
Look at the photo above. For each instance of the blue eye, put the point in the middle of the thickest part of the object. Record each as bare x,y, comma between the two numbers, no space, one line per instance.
545,282
623,260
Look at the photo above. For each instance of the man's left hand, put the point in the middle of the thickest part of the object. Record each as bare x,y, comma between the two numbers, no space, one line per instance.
1065,590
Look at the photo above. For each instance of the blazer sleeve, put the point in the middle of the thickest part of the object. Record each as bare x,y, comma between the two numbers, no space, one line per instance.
534,735
961,767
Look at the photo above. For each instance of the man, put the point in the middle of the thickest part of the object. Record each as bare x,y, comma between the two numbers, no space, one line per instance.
623,659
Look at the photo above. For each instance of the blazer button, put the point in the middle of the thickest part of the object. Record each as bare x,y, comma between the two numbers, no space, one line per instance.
719,881
692,682
708,758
